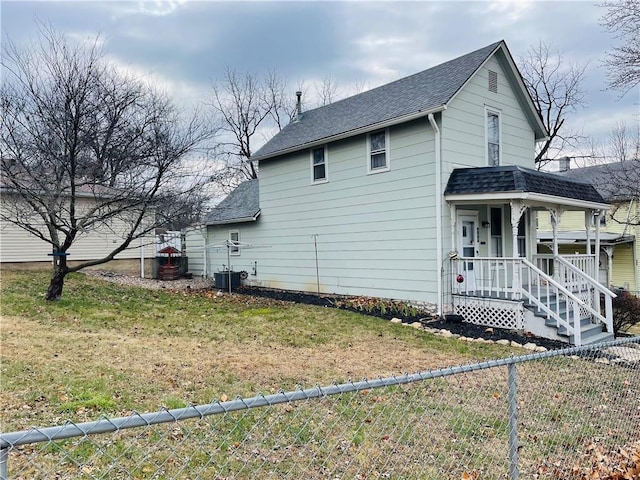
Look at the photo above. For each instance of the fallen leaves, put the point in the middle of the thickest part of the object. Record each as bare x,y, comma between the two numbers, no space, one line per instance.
603,464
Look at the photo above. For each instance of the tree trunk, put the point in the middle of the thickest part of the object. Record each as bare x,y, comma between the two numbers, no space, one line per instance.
60,270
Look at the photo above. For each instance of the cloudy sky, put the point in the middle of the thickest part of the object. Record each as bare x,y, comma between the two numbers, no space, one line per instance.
185,45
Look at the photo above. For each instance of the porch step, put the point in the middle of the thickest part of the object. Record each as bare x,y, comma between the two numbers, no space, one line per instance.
597,338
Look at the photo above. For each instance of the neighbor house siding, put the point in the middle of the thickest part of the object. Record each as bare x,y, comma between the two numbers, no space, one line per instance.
375,233
17,245
625,265
194,247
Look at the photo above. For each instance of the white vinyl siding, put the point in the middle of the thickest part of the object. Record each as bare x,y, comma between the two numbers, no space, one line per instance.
464,140
375,233
17,245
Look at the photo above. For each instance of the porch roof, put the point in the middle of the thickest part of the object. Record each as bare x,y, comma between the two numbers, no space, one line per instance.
515,182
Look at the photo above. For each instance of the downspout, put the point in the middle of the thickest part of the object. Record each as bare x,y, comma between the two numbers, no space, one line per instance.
438,180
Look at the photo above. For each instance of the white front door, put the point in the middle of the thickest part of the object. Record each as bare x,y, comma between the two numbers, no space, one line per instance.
468,248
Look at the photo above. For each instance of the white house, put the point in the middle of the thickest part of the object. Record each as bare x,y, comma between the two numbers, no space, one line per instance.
20,248
423,190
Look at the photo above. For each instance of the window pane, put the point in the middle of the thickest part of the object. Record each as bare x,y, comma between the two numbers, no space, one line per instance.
378,160
318,156
493,128
318,172
496,221
377,141
494,154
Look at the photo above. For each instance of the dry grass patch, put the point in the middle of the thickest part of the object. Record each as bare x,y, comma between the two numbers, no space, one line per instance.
109,349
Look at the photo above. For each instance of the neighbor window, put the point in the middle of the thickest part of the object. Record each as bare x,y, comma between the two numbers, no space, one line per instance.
234,238
378,152
493,138
319,165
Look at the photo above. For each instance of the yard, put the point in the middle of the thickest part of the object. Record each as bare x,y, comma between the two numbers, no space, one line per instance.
109,349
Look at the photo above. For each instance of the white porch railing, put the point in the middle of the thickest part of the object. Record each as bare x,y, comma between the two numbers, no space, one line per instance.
591,291
486,277
552,298
559,289
586,264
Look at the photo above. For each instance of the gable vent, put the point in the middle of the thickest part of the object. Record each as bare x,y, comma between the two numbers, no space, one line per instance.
493,81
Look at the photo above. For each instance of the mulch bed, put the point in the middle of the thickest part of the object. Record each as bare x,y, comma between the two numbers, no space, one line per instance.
454,326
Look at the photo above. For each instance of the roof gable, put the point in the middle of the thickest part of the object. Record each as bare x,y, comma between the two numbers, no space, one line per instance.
425,92
241,205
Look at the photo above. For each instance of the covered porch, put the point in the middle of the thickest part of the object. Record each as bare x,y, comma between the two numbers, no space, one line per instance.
497,276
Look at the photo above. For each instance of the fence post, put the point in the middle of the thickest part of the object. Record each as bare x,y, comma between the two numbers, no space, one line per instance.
4,458
513,421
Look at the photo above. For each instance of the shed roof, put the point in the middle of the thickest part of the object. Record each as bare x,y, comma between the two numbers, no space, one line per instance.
513,178
419,94
241,205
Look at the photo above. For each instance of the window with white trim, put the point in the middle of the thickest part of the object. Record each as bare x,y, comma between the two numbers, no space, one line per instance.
234,238
493,138
319,165
378,151
495,221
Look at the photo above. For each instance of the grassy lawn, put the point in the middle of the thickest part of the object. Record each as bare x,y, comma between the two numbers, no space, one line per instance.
109,349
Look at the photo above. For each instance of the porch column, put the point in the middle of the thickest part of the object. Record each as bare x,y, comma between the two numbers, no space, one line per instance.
597,252
588,214
596,264
452,212
517,209
555,214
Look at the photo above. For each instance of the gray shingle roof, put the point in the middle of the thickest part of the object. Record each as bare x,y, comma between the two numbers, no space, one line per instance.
422,92
241,205
518,179
614,181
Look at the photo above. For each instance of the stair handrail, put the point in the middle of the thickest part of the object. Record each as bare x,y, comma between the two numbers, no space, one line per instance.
575,301
607,319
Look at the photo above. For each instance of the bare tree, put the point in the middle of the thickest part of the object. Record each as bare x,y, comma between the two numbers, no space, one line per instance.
327,91
616,172
85,148
622,19
556,90
245,104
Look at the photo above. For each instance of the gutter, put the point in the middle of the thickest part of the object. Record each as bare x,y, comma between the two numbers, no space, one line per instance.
438,180
350,133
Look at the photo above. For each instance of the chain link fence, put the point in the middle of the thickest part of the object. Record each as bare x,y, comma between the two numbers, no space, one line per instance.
560,414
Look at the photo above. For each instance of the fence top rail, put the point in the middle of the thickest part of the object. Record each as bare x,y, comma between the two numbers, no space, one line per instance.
106,425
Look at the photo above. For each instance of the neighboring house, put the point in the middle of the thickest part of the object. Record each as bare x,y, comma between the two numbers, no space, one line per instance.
421,190
619,255
20,247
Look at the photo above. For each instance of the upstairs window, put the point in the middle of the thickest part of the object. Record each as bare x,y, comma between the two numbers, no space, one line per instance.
378,152
493,138
319,165
234,238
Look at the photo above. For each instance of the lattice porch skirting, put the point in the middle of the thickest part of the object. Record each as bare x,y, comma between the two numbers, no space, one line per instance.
490,312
